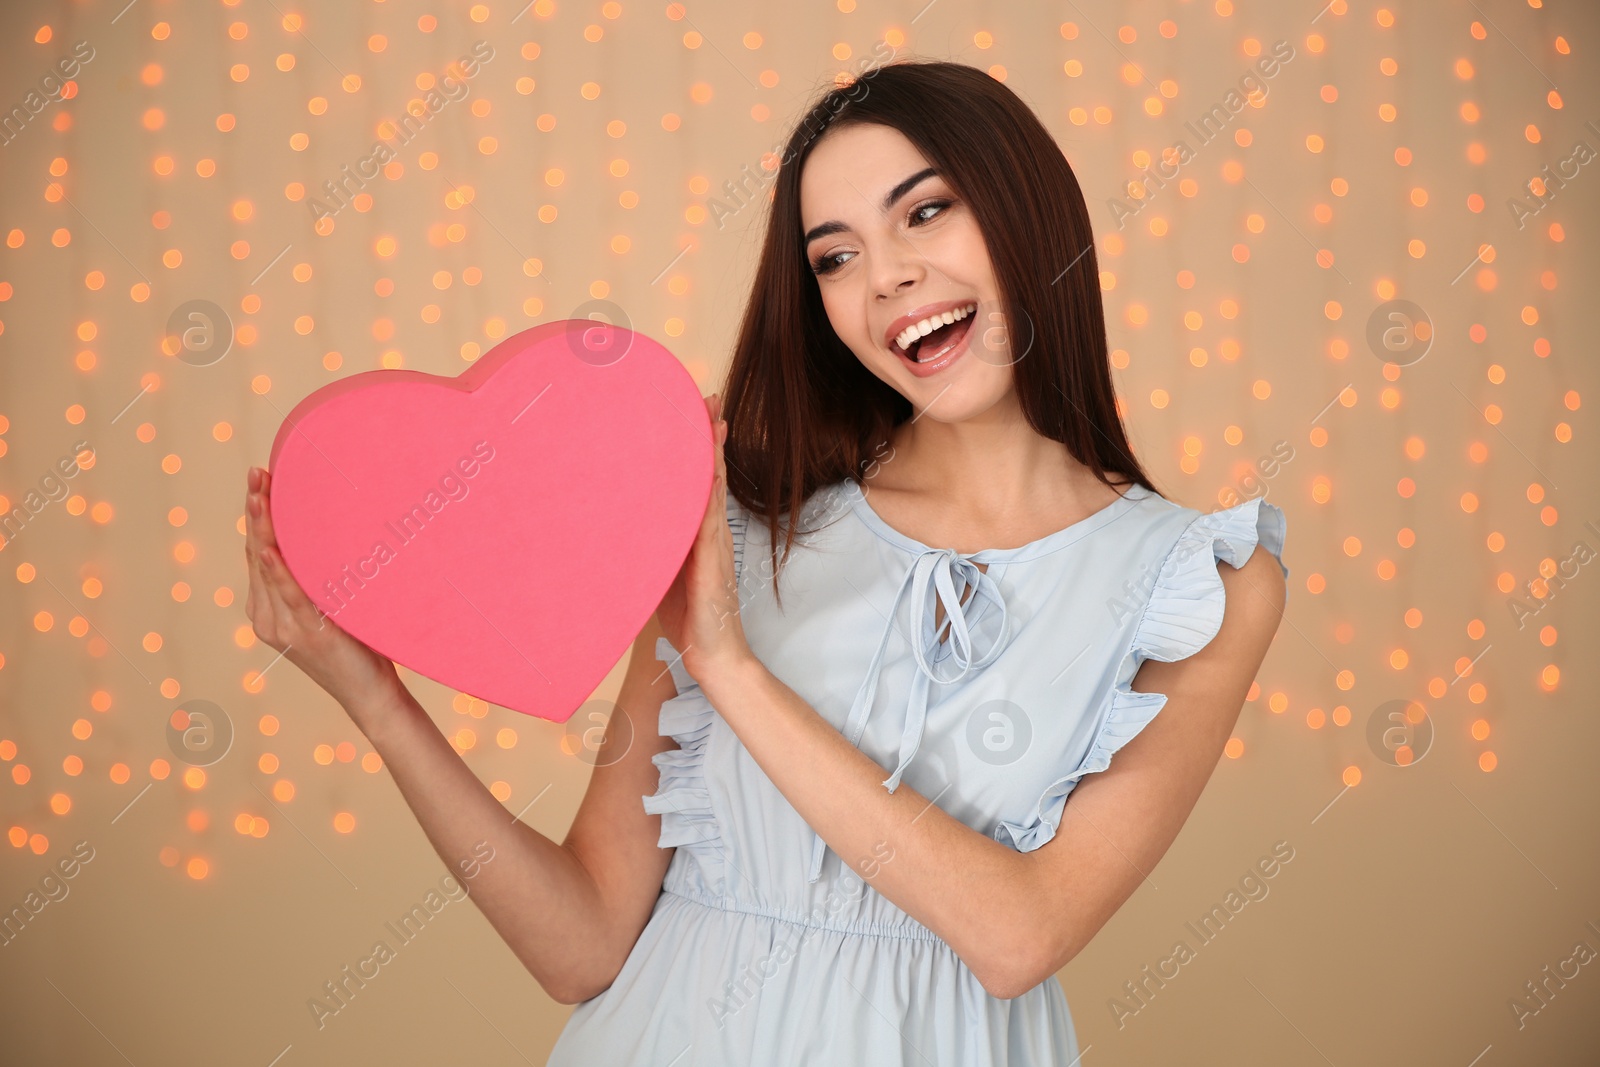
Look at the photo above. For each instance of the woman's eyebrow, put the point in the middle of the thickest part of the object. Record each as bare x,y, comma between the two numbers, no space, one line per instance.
825,228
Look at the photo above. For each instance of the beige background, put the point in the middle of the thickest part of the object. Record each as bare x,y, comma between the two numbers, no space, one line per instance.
1421,500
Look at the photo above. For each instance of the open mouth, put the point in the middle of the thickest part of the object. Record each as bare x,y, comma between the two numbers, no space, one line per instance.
941,339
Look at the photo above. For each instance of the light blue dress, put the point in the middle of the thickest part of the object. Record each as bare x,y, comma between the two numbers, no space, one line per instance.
763,948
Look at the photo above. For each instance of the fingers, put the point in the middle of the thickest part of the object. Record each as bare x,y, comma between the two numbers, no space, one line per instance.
277,572
252,555
255,506
274,594
719,433
722,459
288,587
715,518
261,509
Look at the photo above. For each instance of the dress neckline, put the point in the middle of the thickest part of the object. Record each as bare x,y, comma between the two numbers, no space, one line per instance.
1050,542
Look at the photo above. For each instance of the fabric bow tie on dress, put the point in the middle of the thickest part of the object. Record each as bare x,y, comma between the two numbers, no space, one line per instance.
931,578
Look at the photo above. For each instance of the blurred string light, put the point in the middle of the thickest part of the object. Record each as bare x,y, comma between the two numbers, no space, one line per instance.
1116,88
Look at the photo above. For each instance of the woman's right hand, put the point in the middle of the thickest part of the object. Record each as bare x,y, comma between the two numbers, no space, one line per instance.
286,619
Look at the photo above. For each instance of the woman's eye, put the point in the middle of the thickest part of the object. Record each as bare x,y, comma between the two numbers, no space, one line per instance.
828,264
917,215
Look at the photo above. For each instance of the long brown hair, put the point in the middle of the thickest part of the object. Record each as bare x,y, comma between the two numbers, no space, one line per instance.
802,410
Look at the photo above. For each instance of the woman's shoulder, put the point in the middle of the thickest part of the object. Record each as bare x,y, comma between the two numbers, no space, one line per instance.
1231,533
1181,576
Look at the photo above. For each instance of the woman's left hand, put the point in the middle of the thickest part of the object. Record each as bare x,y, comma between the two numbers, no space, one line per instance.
700,612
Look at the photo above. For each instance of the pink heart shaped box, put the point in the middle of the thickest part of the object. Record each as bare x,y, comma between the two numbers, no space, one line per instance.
506,532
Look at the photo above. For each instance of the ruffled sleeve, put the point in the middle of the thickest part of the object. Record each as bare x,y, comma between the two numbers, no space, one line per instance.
681,797
1182,615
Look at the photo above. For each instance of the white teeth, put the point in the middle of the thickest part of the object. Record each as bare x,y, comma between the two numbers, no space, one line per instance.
931,323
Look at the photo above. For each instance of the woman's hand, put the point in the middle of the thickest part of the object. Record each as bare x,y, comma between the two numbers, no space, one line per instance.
286,619
700,612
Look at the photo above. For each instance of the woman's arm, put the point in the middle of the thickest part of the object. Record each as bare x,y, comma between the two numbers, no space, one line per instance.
534,892
571,912
1015,918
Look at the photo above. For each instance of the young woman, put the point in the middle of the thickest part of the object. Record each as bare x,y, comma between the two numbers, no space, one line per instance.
984,598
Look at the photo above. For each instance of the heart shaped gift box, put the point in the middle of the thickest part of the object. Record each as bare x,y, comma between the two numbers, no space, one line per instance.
506,532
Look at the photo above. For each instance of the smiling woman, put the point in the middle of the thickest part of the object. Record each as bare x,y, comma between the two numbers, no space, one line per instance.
934,200
838,829
865,797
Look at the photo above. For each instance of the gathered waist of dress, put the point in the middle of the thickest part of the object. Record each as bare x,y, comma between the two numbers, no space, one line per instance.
821,916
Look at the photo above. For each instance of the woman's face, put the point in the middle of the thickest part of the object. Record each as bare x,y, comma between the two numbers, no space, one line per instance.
891,244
